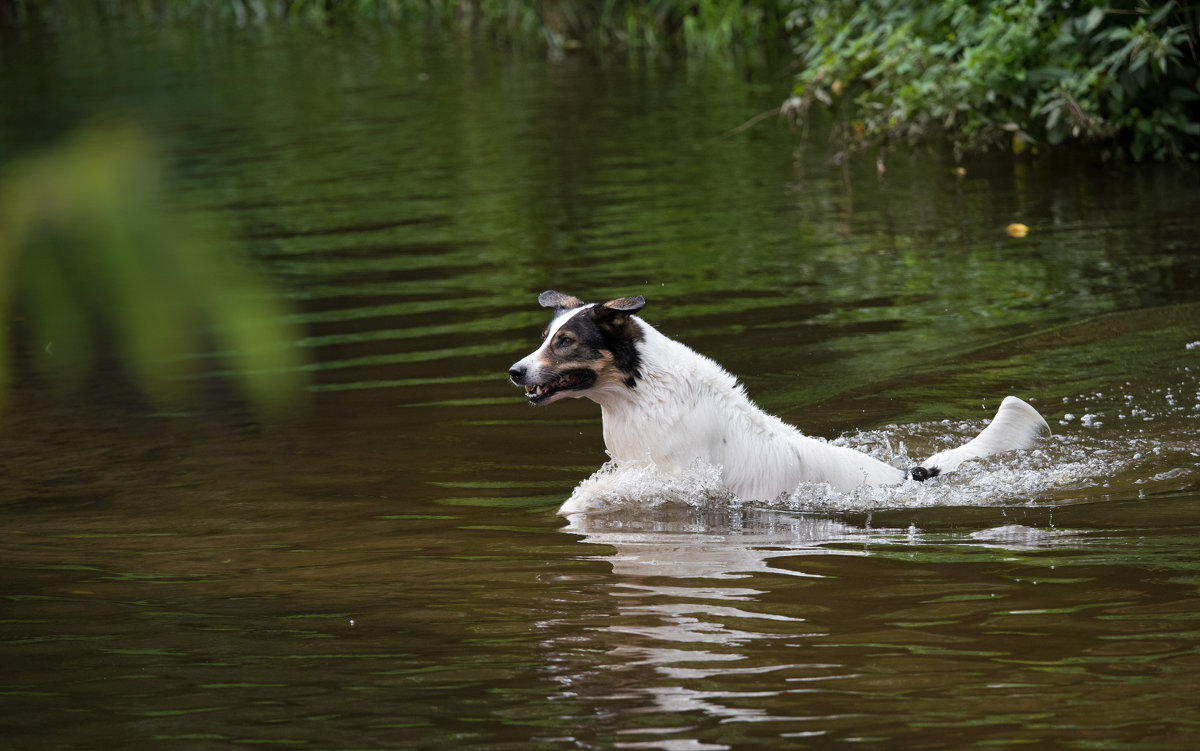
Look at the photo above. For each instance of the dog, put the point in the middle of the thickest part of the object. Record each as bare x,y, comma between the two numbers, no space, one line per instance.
666,406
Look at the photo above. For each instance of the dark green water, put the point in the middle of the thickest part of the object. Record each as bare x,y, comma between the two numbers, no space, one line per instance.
385,568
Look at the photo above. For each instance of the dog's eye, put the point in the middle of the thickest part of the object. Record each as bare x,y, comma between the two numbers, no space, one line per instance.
565,341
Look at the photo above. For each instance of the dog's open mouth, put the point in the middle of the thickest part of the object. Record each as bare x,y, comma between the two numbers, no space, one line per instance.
569,381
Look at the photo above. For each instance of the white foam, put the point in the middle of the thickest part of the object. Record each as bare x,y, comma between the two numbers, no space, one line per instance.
1099,453
1064,468
613,487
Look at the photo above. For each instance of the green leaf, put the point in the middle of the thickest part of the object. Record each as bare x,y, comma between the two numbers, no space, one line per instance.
1139,60
1050,73
1161,13
1052,116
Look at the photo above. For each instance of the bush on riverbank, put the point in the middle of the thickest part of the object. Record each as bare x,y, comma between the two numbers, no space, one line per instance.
1025,72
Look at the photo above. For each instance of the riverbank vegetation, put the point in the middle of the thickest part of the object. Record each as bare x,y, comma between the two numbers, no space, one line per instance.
667,27
1118,75
1025,73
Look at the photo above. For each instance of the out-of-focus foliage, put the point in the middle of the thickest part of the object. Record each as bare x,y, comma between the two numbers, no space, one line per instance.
94,266
1019,72
693,26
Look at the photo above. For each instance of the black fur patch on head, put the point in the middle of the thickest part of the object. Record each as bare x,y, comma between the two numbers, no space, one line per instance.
921,474
622,335
616,320
608,327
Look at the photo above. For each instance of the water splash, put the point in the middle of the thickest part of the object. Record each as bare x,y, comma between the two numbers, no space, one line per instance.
614,487
1132,442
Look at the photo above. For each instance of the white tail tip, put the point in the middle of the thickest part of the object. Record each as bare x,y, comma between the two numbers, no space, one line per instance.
1017,425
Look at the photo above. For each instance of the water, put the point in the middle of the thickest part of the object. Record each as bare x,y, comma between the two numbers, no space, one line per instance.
384,569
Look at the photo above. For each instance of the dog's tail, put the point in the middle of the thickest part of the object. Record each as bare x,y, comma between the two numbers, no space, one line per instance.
1016,425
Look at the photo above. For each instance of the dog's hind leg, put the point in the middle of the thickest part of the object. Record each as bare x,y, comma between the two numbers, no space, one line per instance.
1017,425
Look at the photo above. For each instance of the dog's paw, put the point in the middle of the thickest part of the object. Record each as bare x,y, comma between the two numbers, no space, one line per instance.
921,474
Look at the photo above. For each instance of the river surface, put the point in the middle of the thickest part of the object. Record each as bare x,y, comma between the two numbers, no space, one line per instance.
384,568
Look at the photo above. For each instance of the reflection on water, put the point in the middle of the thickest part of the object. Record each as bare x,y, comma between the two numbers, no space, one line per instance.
683,543
680,609
804,627
666,632
386,570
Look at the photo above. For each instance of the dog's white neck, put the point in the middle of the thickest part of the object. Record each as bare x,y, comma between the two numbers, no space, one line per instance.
670,375
679,410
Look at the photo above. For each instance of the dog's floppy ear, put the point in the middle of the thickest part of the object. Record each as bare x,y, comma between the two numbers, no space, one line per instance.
626,304
558,301
614,314
621,334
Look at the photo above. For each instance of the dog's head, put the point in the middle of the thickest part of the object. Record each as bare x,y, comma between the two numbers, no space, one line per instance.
587,348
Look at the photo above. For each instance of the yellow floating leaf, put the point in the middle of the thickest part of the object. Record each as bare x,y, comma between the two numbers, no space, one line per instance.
1017,229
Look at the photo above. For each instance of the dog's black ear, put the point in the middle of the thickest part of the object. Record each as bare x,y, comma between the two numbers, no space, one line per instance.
621,334
558,301
614,315
626,304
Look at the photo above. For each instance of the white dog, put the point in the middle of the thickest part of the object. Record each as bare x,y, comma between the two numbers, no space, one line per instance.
666,406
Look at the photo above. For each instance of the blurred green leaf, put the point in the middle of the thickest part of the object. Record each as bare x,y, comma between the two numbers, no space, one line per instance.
95,264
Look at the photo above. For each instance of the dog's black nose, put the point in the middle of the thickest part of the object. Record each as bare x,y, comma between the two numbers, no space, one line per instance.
517,374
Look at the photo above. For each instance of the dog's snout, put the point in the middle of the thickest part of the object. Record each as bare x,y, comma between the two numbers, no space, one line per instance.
517,374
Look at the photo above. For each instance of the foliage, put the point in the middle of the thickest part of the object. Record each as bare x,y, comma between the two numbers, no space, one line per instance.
698,26
991,73
986,73
90,260
693,26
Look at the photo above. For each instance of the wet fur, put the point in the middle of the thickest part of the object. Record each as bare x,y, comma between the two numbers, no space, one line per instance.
665,405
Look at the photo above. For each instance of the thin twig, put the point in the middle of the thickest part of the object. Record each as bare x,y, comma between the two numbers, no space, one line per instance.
751,122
